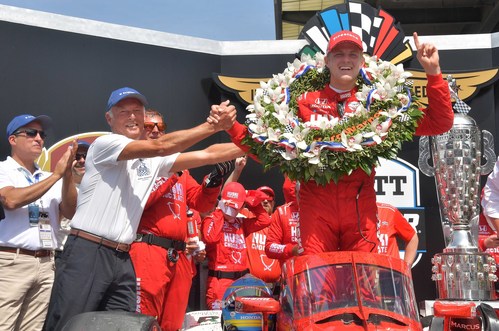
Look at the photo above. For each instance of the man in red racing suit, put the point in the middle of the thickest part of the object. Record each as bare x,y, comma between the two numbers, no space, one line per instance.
342,216
283,237
488,241
224,232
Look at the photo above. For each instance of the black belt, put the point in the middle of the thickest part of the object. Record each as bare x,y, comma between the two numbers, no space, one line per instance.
227,274
160,241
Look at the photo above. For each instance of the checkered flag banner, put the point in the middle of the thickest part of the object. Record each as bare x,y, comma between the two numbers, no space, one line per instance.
459,106
288,128
365,22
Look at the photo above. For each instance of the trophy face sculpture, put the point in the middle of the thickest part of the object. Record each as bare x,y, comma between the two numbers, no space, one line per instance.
462,272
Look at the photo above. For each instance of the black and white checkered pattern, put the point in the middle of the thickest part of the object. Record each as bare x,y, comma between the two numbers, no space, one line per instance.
461,107
365,22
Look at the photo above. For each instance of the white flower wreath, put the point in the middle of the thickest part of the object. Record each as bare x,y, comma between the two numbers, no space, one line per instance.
325,149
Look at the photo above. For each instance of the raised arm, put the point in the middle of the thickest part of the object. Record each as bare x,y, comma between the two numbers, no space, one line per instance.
439,115
210,155
179,141
17,197
69,195
427,55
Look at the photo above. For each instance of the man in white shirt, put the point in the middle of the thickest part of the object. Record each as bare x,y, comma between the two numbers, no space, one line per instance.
95,271
32,200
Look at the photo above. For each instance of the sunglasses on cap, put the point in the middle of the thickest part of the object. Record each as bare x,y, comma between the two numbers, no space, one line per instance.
151,125
32,133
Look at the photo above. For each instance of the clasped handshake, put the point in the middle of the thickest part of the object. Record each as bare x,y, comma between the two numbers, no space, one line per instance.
222,116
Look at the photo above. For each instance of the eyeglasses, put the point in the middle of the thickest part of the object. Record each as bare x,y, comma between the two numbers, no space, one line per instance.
150,126
78,156
32,133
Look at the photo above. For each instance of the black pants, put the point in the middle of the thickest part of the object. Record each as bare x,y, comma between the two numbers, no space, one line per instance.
90,277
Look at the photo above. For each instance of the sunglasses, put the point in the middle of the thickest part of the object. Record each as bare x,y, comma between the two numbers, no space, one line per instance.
151,125
78,156
32,133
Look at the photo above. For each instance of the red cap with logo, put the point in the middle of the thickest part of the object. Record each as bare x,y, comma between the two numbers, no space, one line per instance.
344,36
233,195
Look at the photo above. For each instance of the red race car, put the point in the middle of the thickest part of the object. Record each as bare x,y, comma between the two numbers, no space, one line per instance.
355,291
347,291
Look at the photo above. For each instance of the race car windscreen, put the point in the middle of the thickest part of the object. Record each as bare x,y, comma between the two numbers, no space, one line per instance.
387,289
323,288
333,287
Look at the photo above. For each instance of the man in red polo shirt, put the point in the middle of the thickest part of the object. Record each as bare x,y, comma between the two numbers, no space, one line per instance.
392,225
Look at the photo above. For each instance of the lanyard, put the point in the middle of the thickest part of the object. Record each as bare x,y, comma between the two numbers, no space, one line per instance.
32,179
29,177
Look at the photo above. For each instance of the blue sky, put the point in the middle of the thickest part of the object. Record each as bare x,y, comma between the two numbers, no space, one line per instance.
212,19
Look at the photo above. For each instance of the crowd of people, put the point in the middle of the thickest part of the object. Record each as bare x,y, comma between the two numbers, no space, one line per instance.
120,224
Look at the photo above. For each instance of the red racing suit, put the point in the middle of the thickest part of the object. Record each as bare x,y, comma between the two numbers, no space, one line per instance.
163,286
484,231
392,225
283,232
342,216
226,249
260,265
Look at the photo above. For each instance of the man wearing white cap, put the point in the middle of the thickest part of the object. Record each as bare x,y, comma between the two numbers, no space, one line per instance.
95,272
33,200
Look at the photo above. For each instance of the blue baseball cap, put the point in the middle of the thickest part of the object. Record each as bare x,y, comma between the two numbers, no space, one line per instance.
123,93
23,120
83,143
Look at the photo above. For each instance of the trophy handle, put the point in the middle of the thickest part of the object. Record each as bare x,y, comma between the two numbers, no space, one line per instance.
488,153
424,156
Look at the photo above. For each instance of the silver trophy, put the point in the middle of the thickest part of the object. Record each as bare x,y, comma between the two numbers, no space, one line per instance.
462,272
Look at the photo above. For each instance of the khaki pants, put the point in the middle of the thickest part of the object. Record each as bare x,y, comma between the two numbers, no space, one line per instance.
25,287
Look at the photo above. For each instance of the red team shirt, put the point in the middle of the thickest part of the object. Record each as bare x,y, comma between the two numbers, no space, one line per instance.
163,286
226,247
283,232
484,231
173,195
260,265
392,225
225,242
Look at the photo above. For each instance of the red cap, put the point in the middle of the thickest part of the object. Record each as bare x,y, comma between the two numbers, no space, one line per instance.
267,190
344,36
234,195
255,197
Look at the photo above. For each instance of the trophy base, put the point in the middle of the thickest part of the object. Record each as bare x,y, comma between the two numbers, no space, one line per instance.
464,276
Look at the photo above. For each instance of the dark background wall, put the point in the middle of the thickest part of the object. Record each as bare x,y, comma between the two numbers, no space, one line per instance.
69,76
